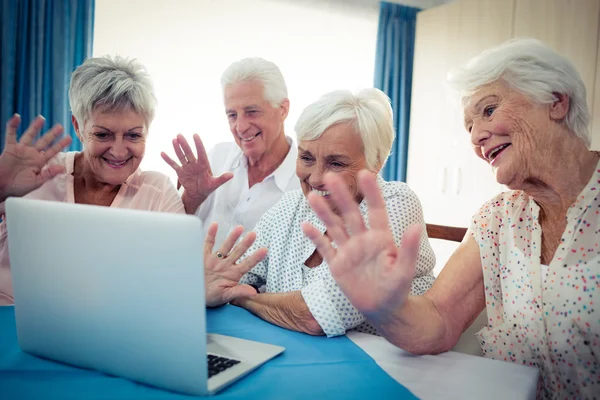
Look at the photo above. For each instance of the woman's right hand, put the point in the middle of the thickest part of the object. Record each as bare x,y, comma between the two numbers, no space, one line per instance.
22,163
222,272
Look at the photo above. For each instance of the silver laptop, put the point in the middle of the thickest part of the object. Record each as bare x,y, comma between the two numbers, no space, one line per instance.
122,292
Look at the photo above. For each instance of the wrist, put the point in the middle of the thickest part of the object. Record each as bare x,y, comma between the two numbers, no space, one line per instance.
192,202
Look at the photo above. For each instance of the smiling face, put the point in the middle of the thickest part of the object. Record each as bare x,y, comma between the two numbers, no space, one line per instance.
114,144
509,132
255,124
338,150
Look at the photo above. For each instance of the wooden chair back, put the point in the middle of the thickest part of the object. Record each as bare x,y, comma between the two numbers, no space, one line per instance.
451,233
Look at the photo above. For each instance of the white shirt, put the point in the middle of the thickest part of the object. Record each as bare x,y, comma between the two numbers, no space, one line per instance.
235,203
283,270
546,317
143,190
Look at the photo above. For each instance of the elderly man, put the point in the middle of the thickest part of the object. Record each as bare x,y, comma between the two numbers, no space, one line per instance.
238,182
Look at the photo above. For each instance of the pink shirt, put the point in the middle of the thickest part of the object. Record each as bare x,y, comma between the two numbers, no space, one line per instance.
147,190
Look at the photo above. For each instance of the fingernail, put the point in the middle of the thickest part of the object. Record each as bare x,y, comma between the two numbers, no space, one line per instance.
41,116
16,115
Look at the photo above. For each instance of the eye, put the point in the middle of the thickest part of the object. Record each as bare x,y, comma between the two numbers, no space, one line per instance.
231,115
102,135
252,112
306,159
489,110
133,136
337,164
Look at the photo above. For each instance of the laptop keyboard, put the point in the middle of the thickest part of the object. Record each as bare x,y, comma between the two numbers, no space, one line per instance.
217,364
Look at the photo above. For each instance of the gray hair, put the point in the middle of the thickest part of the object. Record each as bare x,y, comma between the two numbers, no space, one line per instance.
111,84
260,70
535,70
368,112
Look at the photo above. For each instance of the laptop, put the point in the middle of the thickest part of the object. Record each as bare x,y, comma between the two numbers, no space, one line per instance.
121,292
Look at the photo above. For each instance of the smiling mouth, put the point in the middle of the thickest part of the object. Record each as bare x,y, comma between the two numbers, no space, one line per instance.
249,139
322,193
116,164
496,152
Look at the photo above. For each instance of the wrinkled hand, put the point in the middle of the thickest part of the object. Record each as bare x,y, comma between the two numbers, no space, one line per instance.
22,163
373,273
194,174
222,275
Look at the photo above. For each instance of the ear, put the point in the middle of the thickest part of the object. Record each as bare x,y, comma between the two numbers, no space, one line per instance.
76,126
560,107
285,108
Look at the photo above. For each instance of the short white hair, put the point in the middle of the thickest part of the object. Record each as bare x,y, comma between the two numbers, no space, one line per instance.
257,69
111,84
368,112
532,68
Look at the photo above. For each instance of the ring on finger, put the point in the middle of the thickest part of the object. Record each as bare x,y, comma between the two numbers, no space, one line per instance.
220,255
42,152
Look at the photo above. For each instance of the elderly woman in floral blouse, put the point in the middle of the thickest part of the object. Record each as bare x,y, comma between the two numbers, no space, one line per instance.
531,256
341,133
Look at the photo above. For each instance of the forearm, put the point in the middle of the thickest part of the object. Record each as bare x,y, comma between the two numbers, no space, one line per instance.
191,204
288,310
417,327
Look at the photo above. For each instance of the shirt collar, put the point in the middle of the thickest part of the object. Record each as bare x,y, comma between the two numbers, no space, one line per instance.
284,172
587,195
287,170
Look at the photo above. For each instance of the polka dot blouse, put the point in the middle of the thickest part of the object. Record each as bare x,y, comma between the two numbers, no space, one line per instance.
283,270
547,317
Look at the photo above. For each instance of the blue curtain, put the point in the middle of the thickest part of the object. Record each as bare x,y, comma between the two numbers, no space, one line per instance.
393,75
42,41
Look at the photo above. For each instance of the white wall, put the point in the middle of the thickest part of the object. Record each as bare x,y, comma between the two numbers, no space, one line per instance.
186,44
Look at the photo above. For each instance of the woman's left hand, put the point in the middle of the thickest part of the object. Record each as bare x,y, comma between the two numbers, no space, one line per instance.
222,272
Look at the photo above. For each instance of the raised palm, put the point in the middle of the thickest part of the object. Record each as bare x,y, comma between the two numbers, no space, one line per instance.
373,273
222,274
22,163
194,174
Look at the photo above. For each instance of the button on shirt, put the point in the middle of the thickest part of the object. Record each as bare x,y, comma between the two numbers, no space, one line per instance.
284,269
235,203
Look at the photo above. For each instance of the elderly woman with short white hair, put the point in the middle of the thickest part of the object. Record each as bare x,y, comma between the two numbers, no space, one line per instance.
113,105
341,133
531,257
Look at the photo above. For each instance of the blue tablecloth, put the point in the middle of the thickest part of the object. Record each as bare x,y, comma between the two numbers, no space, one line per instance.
311,367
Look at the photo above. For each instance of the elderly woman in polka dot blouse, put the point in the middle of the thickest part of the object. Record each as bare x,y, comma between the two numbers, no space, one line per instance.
341,133
531,257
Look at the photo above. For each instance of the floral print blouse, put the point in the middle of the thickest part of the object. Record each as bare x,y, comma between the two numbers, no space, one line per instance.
543,316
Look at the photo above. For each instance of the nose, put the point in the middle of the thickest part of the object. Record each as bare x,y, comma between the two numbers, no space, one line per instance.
479,133
241,124
119,149
316,177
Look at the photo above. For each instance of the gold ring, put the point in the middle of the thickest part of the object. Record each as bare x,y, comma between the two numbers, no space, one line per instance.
42,152
220,255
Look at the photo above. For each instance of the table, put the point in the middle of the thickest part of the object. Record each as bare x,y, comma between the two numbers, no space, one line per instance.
310,367
349,367
451,375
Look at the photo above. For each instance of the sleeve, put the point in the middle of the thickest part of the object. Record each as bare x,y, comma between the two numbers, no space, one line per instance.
257,276
170,201
404,210
330,308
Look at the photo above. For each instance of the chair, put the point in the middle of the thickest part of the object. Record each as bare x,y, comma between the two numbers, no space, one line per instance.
451,233
467,343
